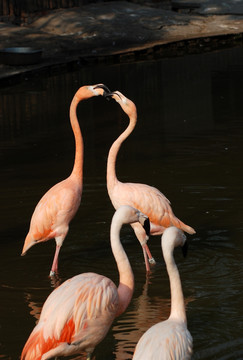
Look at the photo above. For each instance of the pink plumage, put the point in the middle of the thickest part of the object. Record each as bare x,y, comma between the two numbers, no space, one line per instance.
78,314
59,205
146,198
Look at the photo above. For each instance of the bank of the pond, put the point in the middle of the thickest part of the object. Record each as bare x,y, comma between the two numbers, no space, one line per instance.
119,30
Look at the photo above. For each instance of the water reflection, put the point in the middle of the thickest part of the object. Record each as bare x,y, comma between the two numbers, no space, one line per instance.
33,295
34,306
147,311
187,143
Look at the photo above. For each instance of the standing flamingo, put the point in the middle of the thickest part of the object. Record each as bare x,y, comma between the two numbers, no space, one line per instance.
146,198
169,339
78,314
58,206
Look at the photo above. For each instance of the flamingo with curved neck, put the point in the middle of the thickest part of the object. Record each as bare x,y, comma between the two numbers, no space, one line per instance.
169,339
78,314
146,198
59,204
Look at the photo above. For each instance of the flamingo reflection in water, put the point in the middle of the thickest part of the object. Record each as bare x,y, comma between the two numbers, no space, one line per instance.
33,298
146,311
78,314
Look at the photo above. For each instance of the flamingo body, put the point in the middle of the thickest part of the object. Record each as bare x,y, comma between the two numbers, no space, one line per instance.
59,205
147,199
151,202
78,314
170,339
53,213
75,316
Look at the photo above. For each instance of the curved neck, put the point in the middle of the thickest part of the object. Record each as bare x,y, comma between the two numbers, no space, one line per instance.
79,146
126,278
111,161
177,299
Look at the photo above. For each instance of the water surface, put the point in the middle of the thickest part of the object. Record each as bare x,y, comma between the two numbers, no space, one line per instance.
187,143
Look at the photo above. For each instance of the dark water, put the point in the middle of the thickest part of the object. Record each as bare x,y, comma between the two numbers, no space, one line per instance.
187,142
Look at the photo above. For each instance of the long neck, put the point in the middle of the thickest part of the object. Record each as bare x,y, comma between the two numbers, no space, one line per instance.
77,171
111,161
177,298
126,278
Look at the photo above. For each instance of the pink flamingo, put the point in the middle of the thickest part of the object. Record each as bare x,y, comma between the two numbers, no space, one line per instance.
169,339
146,198
78,314
59,205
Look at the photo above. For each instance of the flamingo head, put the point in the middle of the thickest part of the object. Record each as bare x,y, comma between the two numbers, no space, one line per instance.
88,91
126,104
131,215
173,237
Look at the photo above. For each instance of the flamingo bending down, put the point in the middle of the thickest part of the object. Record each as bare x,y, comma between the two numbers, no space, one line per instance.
78,314
59,205
146,198
169,339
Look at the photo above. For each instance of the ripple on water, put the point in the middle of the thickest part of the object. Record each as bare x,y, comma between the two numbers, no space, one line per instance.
231,349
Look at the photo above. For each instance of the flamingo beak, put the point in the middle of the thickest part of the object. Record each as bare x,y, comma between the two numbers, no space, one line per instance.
106,93
185,249
146,226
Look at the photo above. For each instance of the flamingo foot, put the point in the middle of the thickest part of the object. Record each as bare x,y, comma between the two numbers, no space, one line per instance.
152,261
150,257
89,355
54,268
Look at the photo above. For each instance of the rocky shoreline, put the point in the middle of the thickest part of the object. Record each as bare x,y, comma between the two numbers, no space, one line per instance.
117,30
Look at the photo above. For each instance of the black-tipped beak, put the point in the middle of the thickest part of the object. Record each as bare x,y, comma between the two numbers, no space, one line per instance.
185,249
107,91
146,226
108,95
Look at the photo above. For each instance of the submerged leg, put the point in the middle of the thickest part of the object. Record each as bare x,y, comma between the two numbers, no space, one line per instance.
54,267
146,259
151,259
143,238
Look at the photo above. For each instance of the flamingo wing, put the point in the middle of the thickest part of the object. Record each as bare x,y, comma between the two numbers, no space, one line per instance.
151,202
76,316
53,213
145,198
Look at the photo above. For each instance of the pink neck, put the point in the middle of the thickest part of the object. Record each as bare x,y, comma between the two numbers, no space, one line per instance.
177,299
112,156
126,278
79,146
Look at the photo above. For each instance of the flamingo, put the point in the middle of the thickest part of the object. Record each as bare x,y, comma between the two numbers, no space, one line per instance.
169,339
78,314
147,199
59,204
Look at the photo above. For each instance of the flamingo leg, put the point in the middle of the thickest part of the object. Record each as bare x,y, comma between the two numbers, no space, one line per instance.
151,259
146,258
54,267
